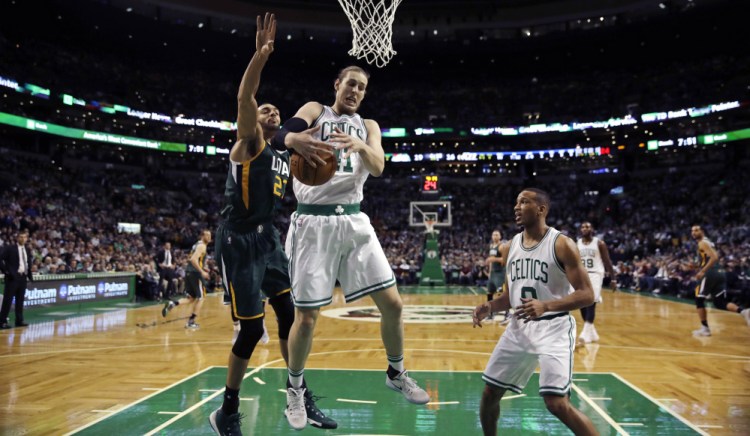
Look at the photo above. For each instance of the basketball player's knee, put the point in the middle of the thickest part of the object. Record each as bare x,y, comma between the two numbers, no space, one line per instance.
284,308
393,308
251,330
306,319
556,405
700,303
491,395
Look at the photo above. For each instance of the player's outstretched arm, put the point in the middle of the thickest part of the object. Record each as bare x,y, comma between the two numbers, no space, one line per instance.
297,135
248,130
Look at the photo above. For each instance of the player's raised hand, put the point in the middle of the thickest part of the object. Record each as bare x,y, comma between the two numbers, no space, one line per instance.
265,34
308,147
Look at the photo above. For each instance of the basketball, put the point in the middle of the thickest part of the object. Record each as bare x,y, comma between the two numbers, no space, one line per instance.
305,173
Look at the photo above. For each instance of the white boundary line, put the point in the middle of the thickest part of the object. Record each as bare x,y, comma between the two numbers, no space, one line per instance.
113,412
667,409
206,400
345,400
731,357
599,410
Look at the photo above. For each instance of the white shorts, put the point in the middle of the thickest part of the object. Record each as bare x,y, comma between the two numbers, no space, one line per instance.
596,283
548,343
322,249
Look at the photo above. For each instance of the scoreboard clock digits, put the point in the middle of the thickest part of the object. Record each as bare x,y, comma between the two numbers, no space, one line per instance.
430,183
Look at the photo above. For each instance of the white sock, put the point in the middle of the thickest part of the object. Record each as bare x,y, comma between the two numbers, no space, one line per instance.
396,362
296,378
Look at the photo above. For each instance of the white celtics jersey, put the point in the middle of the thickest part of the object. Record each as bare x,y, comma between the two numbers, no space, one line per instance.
346,185
535,272
590,256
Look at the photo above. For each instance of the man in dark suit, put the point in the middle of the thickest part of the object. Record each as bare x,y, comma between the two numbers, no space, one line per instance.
165,266
15,263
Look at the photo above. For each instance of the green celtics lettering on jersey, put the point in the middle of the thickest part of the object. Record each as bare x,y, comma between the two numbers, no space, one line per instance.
254,187
190,267
535,272
591,257
329,126
346,185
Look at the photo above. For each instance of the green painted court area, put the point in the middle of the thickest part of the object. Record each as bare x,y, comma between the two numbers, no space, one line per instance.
361,404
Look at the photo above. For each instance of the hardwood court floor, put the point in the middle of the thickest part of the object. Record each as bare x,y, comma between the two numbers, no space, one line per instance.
58,376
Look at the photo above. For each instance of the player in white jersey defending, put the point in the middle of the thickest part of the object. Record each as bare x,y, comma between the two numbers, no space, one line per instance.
329,238
541,266
595,259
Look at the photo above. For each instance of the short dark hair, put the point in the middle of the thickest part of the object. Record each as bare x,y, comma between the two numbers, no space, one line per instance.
542,197
355,68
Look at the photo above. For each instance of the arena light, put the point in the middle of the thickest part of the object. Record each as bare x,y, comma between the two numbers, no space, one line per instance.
69,132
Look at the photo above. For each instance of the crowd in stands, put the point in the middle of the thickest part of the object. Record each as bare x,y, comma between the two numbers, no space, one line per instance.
72,214
72,197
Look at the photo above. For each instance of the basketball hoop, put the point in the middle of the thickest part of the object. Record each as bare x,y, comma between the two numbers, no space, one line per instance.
372,26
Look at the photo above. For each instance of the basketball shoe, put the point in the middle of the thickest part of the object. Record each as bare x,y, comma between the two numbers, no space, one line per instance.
168,306
407,386
226,425
295,408
703,331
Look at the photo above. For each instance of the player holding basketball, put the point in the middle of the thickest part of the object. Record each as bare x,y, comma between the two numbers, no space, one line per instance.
496,265
195,279
541,266
329,238
712,280
595,259
248,247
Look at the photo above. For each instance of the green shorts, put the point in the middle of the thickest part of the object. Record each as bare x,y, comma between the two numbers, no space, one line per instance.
253,266
194,285
713,283
495,283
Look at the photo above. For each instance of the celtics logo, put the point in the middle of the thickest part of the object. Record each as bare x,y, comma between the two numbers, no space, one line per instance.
424,314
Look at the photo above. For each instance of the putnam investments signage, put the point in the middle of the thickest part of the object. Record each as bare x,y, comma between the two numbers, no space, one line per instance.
58,292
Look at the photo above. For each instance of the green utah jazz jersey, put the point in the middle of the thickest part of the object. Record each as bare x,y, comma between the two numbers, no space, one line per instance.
704,257
495,252
190,267
255,186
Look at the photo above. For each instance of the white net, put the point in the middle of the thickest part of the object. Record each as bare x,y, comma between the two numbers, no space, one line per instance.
372,25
